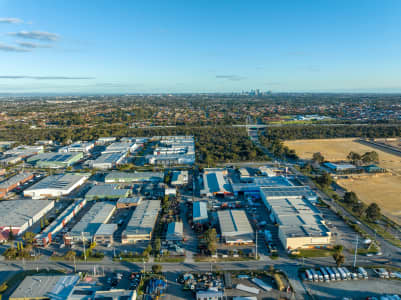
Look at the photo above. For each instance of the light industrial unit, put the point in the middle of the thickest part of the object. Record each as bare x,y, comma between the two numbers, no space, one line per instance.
140,226
55,186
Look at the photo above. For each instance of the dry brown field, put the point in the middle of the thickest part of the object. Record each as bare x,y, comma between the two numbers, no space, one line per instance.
385,190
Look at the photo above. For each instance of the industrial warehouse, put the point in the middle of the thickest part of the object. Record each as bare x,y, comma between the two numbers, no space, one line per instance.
83,147
173,150
108,160
215,183
55,160
235,227
20,215
45,287
45,237
179,178
55,186
13,182
107,191
140,226
129,177
199,212
85,229
300,223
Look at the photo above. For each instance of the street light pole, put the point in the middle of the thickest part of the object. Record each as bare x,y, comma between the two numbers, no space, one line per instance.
256,245
83,242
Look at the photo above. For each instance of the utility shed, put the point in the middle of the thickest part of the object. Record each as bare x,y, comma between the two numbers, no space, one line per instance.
235,227
175,231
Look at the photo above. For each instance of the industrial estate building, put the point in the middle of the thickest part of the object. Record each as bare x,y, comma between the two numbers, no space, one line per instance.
199,212
235,227
45,237
179,178
99,213
215,183
55,160
140,226
300,223
13,182
55,186
83,147
107,191
22,214
175,232
121,147
109,160
130,177
104,235
24,151
173,150
45,287
252,187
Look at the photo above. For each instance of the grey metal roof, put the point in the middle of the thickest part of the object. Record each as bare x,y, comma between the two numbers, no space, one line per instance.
15,180
18,212
290,191
45,286
106,229
144,218
99,213
234,222
134,176
62,181
106,190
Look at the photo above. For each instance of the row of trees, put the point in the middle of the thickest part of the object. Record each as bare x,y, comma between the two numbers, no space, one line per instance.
371,212
332,131
277,147
366,158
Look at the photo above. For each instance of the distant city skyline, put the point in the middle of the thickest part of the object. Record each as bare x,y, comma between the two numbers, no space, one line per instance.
100,47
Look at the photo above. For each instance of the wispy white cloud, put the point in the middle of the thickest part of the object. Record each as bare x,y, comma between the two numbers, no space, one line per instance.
11,48
231,77
44,77
33,45
36,35
11,20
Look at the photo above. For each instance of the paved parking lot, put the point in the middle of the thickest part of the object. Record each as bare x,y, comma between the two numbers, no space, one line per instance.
358,289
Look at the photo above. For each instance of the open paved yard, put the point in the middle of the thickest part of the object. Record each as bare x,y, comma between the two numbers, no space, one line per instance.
354,289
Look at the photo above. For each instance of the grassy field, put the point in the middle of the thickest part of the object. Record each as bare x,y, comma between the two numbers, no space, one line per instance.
385,189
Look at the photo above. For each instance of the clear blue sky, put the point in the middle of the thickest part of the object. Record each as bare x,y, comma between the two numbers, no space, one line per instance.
199,46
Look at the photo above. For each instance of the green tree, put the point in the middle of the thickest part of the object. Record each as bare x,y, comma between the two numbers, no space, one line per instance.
370,157
358,208
157,245
318,157
211,240
28,237
339,258
354,157
157,268
350,198
373,212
